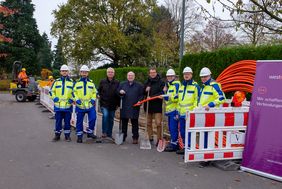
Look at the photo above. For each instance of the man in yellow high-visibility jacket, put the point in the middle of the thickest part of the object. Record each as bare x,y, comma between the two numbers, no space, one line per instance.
188,96
211,93
171,89
211,96
85,95
61,93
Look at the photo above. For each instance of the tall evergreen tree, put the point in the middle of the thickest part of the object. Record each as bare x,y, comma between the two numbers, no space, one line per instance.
22,28
59,58
44,56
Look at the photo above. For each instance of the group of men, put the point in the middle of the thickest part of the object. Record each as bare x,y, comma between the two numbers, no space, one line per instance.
178,97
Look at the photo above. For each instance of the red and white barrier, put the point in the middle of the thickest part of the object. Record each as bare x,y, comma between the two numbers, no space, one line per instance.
225,129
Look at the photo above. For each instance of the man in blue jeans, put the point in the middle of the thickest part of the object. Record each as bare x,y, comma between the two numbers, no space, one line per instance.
109,101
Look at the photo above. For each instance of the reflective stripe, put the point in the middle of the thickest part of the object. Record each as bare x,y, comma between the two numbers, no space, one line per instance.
208,93
58,86
67,131
185,105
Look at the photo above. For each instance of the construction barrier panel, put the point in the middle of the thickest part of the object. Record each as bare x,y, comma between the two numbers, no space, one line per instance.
48,103
217,134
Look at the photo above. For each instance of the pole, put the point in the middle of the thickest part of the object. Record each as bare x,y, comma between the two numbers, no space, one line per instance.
182,35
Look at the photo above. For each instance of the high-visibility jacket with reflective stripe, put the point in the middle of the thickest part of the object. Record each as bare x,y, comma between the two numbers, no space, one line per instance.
188,96
172,100
62,88
85,91
211,94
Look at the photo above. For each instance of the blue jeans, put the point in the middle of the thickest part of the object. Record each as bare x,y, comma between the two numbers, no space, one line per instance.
107,121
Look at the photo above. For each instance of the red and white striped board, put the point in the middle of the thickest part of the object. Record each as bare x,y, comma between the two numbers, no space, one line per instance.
214,155
225,129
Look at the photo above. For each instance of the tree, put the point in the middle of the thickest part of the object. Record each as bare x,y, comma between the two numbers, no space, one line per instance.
45,56
165,48
213,37
118,30
271,9
250,25
193,17
5,12
59,58
22,28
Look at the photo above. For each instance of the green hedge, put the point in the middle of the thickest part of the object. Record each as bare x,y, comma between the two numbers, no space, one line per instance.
218,60
141,74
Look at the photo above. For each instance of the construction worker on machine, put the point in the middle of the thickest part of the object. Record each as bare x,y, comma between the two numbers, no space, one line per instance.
50,81
188,96
61,93
171,89
85,96
211,96
23,78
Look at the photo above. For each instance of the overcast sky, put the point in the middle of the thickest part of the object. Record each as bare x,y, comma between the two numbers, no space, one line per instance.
44,17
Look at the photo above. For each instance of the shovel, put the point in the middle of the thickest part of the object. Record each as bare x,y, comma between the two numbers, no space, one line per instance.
162,142
72,122
145,142
119,135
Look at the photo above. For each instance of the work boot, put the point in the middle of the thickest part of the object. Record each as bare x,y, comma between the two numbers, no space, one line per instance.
67,138
56,138
91,135
79,140
170,148
135,141
180,152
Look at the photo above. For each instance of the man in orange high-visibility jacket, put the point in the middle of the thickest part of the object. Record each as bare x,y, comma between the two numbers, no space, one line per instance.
23,79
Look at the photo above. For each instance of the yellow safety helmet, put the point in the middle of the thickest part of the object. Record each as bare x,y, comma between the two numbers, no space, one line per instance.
50,77
23,69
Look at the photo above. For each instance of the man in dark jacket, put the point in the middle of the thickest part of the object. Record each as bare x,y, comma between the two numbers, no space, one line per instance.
154,86
109,101
131,92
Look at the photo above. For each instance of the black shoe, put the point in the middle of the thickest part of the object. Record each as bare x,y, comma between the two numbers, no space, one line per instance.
204,164
180,152
67,138
79,140
91,135
170,149
56,138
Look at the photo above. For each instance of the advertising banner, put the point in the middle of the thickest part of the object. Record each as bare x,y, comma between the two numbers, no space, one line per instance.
263,144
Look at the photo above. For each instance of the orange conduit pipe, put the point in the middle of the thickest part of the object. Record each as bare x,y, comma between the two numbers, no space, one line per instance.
239,76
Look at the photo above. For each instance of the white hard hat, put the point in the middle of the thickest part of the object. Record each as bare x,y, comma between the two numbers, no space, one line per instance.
84,68
205,72
187,70
170,72
64,68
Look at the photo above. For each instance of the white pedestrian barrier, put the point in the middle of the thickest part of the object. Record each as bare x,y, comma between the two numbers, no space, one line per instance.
217,134
48,103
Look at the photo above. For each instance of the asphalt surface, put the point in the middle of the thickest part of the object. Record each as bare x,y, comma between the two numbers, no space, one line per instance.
29,160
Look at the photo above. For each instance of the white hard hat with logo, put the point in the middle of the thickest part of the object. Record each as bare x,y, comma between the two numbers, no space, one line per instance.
170,72
205,72
187,70
64,68
84,68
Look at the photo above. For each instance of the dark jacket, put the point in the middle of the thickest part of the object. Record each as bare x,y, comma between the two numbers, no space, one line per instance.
133,94
157,85
109,98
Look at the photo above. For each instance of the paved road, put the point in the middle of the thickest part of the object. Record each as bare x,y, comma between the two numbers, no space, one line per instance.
29,160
